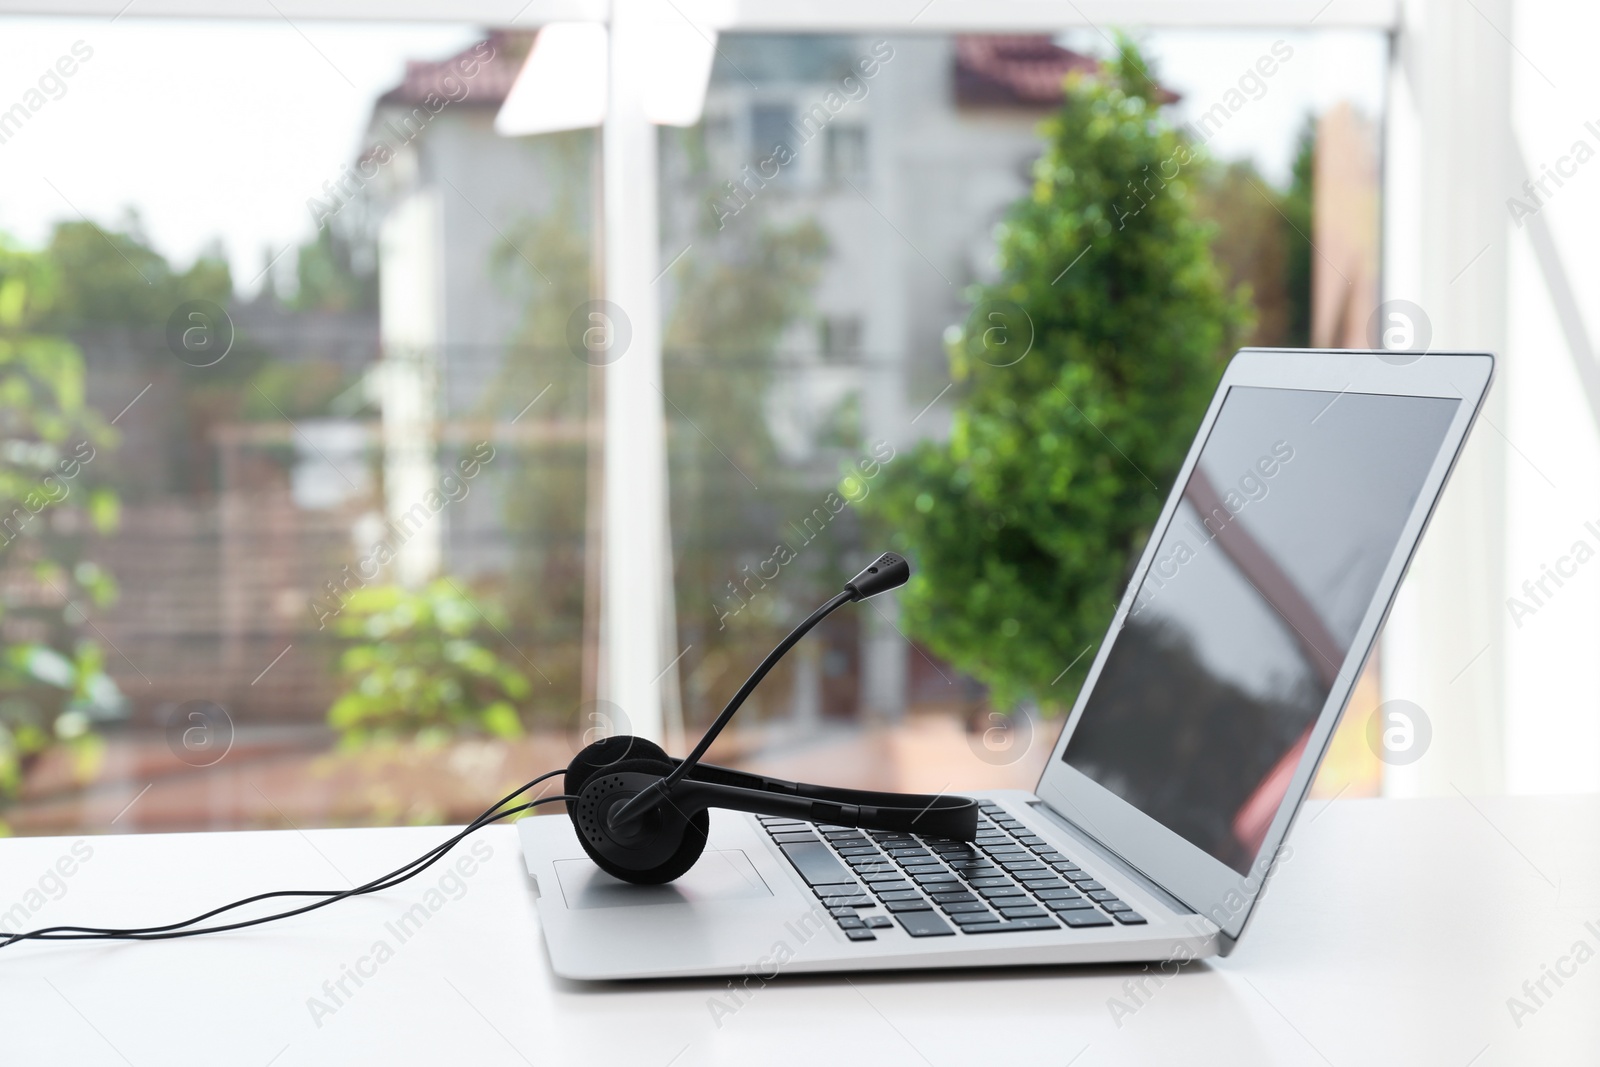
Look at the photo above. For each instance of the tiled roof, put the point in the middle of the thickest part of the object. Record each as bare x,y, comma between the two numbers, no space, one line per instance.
488,85
1017,71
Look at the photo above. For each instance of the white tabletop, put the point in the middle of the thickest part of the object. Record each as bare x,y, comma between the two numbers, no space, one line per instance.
1396,933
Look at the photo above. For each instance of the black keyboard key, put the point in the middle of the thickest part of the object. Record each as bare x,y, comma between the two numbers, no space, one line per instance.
870,859
817,865
925,868
1100,894
899,897
1071,904
1042,922
840,913
1083,917
925,924
1116,905
989,883
950,898
861,935
996,892
1056,894
958,907
972,918
1128,918
943,878
843,890
1088,885
1019,913
858,850
880,877
1051,857
795,839
1037,883
1030,839
850,902
878,922
853,922
897,906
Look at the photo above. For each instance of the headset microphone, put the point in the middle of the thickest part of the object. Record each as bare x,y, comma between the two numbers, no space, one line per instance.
643,816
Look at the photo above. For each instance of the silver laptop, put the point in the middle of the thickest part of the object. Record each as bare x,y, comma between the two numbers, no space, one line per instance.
1210,702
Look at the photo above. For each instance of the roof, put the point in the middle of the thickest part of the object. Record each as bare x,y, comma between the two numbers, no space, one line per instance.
1019,71
991,70
489,83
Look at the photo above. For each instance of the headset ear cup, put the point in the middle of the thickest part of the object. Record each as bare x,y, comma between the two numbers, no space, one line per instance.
682,858
605,754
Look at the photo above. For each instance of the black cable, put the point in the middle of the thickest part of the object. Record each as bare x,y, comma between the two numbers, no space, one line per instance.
493,813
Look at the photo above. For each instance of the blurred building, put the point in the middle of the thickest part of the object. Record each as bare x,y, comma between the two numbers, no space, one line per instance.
905,151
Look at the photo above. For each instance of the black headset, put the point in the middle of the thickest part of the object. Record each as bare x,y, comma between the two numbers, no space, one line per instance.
640,815
643,816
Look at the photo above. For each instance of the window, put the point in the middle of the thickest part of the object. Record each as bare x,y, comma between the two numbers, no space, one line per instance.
847,152
343,380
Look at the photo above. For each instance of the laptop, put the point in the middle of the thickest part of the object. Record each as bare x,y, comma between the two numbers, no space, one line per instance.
1156,823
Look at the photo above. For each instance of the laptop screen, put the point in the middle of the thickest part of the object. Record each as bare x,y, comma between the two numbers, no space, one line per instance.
1255,594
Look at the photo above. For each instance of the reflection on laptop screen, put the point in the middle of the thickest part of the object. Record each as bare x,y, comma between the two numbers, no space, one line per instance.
1243,620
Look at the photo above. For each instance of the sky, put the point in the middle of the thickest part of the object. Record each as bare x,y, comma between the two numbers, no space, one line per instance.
221,131
209,130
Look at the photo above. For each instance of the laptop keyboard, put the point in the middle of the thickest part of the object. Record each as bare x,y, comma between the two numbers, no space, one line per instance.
1008,879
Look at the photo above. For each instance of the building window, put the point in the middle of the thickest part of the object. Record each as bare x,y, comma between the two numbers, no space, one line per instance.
770,126
846,152
839,337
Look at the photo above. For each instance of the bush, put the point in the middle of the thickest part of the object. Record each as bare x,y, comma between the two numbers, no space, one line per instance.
1025,523
53,685
424,665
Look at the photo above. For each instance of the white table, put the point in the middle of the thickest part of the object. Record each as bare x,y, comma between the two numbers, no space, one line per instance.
1394,934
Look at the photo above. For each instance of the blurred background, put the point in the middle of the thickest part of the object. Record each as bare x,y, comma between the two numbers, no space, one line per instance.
333,356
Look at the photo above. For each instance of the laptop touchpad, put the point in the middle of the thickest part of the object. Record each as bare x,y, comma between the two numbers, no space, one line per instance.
725,874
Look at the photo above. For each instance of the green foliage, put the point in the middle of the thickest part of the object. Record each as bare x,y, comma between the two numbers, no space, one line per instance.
743,284
332,273
1297,205
1251,246
52,682
107,277
424,663
48,700
1024,525
727,303
545,261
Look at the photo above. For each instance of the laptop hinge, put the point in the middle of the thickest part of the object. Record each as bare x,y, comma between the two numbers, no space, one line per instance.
1105,855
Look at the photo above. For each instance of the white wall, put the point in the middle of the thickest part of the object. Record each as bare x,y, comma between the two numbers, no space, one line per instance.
1552,741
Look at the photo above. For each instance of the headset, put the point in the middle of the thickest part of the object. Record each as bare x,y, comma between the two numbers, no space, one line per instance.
642,816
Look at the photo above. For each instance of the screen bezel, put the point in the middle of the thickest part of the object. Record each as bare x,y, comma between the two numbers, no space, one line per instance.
1190,874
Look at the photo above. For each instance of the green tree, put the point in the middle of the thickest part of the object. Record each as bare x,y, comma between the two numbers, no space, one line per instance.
1024,524
1297,209
53,685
